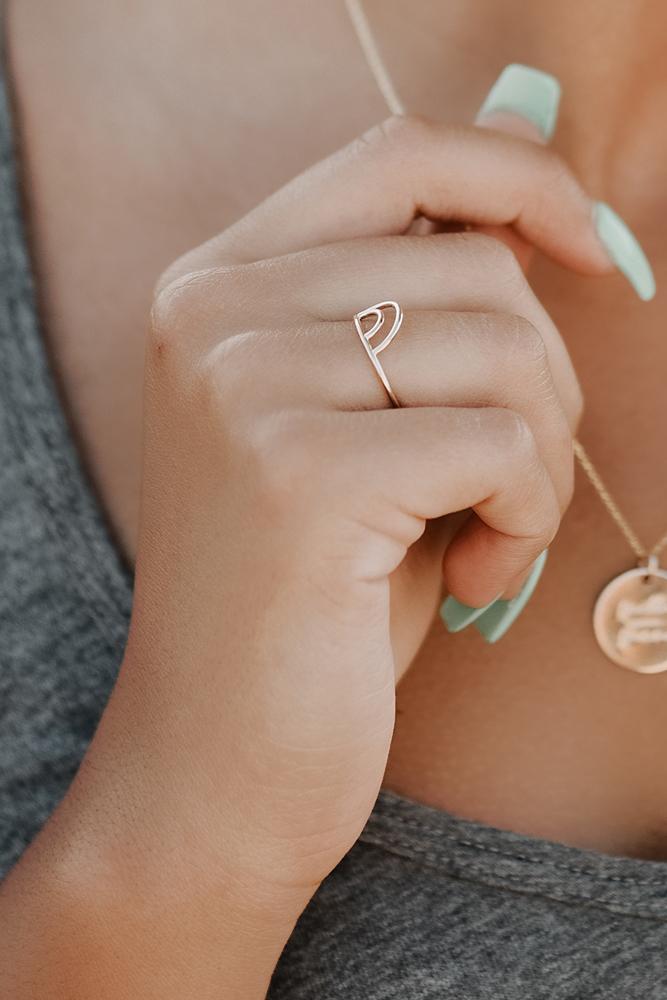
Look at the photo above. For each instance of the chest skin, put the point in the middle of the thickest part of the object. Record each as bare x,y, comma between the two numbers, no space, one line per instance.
149,155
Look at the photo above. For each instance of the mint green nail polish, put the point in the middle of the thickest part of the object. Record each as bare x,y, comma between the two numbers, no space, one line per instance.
458,616
624,249
528,92
497,619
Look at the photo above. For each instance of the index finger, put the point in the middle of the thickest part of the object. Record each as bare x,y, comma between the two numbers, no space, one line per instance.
408,165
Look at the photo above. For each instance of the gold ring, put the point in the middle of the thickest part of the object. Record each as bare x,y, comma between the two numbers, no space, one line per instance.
366,337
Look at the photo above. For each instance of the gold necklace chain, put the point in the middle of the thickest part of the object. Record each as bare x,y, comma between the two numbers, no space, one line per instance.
378,68
613,508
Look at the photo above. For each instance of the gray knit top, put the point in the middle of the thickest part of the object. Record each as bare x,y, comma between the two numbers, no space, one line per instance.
426,905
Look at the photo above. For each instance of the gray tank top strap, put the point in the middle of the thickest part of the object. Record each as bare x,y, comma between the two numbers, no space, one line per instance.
65,593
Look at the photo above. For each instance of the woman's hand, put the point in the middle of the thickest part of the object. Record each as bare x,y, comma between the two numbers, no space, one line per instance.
294,525
282,496
284,500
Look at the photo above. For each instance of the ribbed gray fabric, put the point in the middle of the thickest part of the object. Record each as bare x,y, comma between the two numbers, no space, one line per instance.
426,905
64,594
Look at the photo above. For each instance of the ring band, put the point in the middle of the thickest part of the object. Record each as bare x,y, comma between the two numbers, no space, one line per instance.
367,336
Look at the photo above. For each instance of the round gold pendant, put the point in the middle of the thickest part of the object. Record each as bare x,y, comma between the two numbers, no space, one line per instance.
630,620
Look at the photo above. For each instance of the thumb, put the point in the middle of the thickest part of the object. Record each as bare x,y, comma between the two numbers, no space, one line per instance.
523,102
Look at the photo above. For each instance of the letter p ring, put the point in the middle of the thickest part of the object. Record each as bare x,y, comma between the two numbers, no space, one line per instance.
367,336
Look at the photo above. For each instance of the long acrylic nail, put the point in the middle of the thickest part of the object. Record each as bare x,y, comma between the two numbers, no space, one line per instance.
458,616
496,620
624,249
523,90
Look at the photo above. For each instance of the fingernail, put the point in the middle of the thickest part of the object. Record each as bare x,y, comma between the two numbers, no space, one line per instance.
496,620
525,91
458,616
624,249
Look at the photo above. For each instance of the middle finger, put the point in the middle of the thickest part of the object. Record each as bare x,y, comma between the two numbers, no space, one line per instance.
459,272
439,358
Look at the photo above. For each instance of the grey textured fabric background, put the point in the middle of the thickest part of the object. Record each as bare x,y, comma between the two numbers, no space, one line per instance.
426,905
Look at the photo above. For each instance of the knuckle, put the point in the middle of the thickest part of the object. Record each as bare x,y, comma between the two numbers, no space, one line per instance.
164,308
551,521
568,491
565,445
576,408
180,274
395,130
524,346
513,434
524,352
527,476
541,510
500,261
169,322
563,435
176,310
171,275
180,307
524,443
562,464
224,373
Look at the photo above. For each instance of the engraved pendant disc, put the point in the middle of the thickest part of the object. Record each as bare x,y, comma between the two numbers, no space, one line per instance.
630,620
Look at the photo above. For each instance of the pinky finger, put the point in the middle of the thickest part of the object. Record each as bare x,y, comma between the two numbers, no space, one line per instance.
396,469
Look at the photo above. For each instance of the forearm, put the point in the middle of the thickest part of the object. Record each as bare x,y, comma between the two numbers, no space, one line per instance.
75,927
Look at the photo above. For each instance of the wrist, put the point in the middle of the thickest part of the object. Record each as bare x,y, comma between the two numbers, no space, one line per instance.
188,934
73,911
143,802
